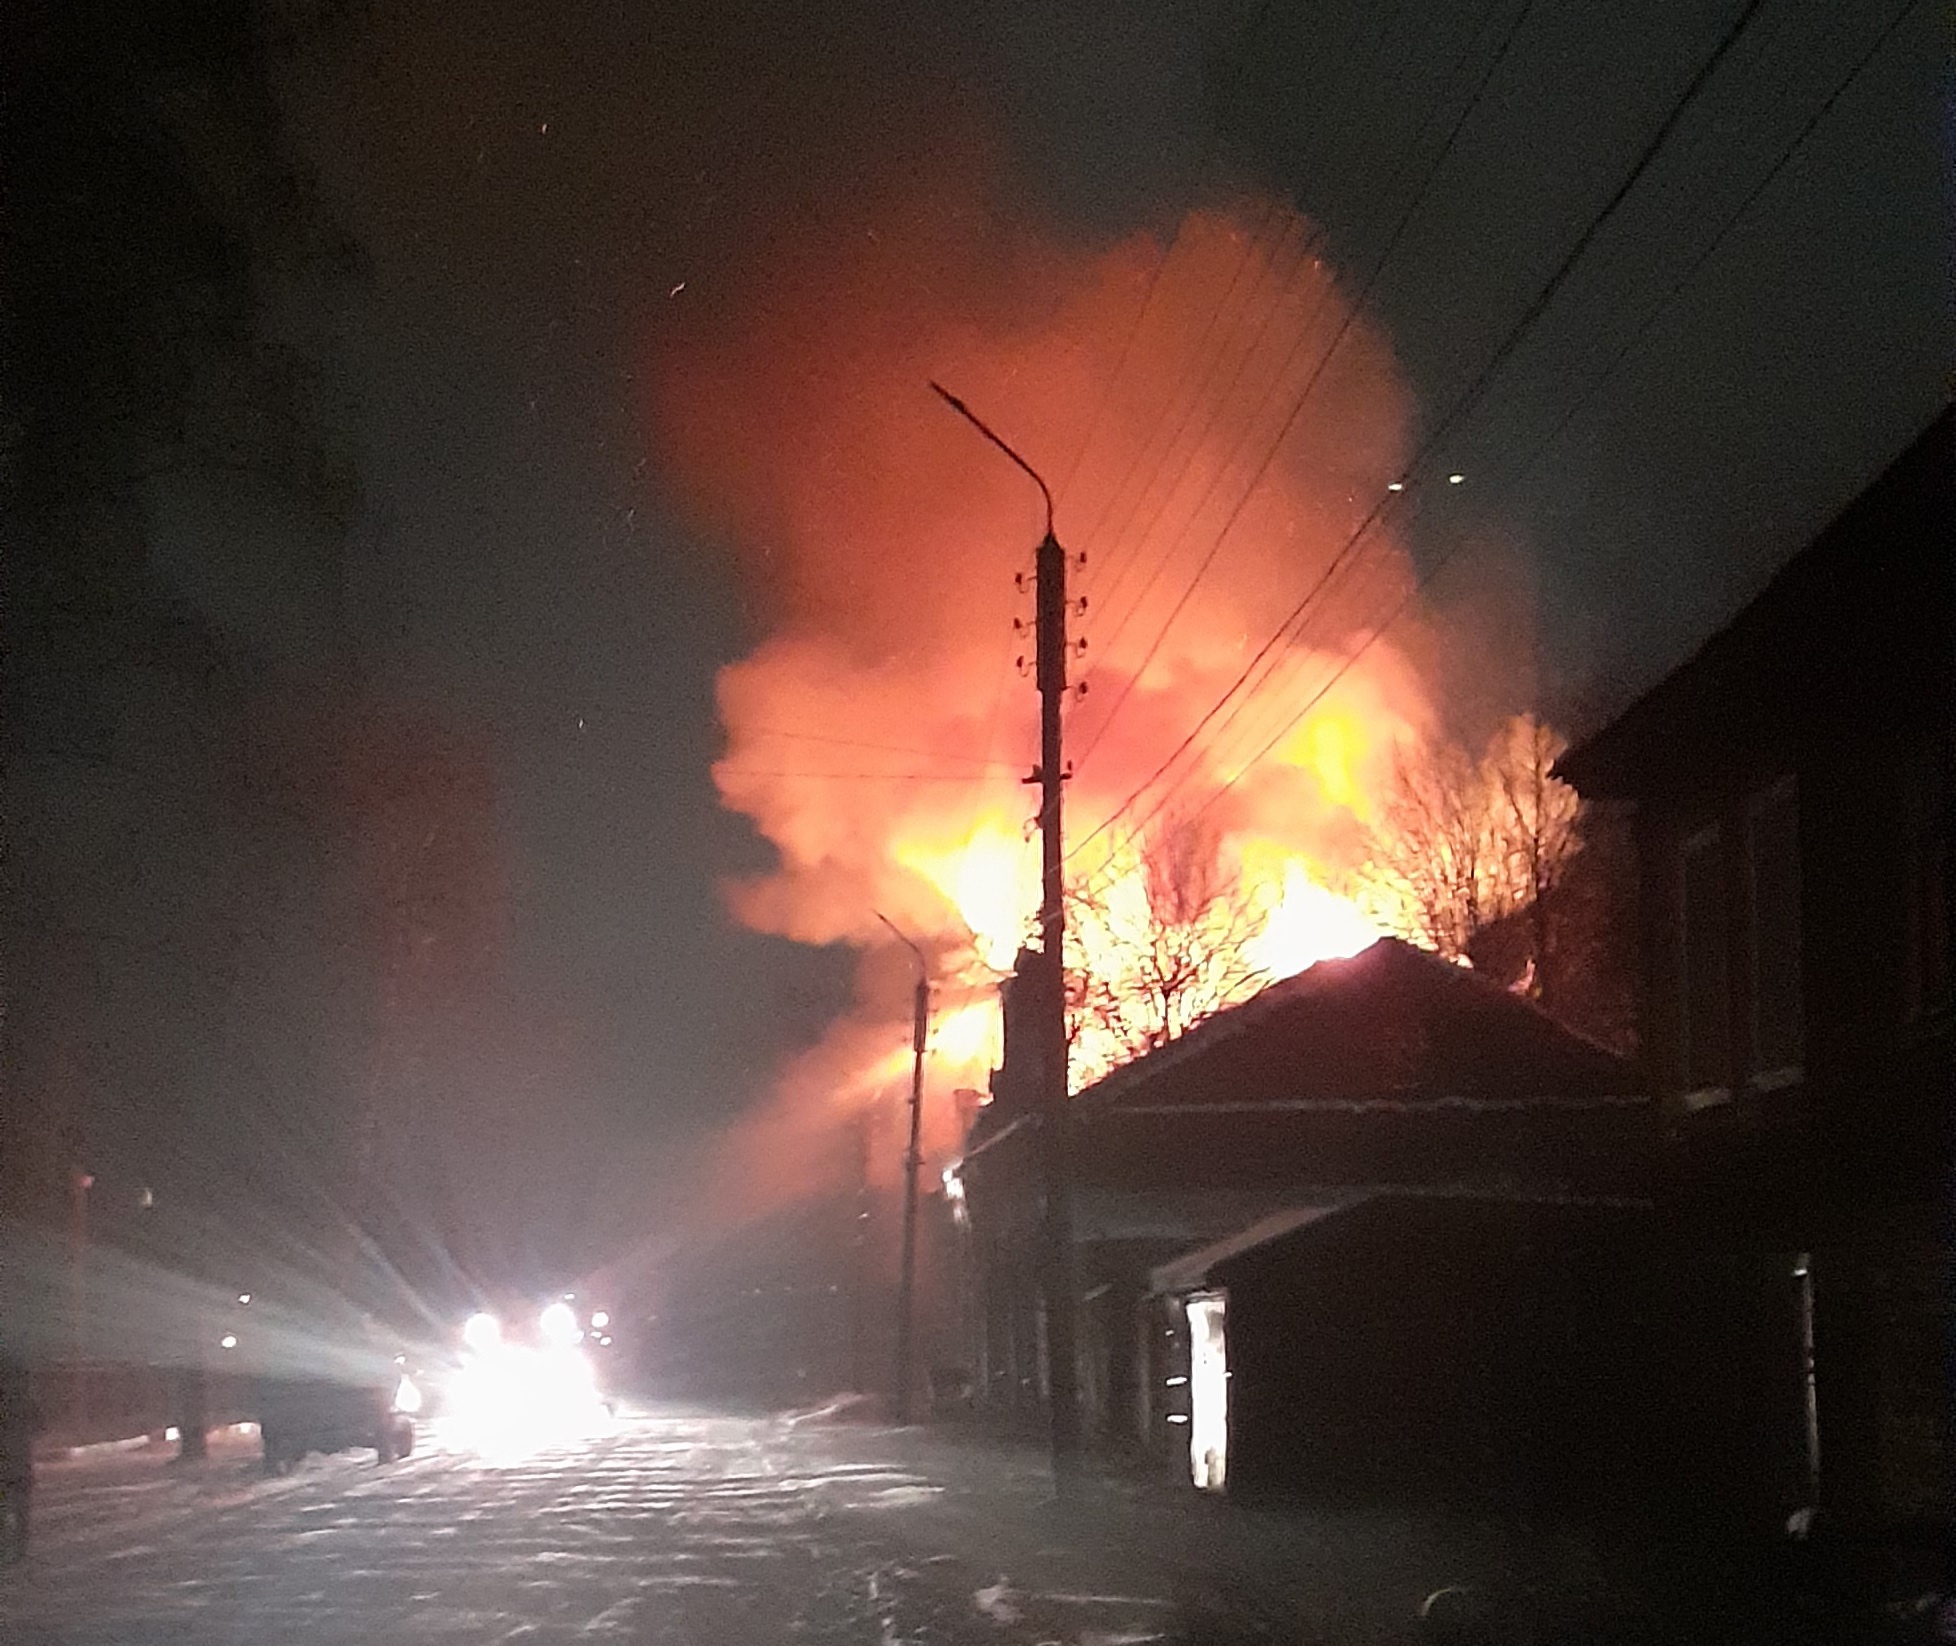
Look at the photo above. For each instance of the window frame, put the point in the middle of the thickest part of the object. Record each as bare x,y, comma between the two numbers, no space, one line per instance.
1762,1075
1708,839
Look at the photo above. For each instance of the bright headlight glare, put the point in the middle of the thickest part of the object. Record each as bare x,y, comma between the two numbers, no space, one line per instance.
407,1398
518,1399
559,1325
482,1333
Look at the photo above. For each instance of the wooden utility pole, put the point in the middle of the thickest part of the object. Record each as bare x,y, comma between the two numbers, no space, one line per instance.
859,1259
906,1370
1062,1357
1056,1228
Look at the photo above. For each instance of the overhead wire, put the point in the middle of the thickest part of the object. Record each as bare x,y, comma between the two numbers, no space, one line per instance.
1307,245
1293,660
1540,449
1234,59
1353,311
1247,34
1468,401
1601,377
1146,456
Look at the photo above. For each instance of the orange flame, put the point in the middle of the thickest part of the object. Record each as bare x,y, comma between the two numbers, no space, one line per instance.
879,736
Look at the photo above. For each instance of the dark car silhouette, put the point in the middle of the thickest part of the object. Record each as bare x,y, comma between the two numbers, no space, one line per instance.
301,1415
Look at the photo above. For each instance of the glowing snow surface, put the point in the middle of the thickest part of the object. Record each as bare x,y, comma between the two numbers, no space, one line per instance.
679,1530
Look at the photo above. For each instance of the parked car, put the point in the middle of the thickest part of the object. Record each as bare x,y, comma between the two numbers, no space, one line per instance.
301,1415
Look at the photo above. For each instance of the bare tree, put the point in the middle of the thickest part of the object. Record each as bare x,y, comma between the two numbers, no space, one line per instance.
1541,824
1464,842
1154,958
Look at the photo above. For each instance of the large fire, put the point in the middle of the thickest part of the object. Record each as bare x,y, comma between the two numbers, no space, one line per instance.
880,734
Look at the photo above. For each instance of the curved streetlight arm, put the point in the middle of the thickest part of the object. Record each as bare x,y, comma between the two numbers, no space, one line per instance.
983,428
923,965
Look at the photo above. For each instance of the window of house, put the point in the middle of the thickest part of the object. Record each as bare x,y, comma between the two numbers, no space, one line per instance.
1706,1060
1773,888
1926,852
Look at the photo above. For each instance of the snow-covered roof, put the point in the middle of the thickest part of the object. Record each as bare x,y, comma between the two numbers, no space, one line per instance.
1392,1028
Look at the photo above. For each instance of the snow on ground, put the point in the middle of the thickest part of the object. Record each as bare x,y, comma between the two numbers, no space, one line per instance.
686,1530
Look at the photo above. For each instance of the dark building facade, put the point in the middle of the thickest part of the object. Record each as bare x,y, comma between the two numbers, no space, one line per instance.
1791,786
1362,1099
1480,1347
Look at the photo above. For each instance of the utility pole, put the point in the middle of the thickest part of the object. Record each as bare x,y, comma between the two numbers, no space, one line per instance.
859,1259
1061,1292
79,1183
906,1371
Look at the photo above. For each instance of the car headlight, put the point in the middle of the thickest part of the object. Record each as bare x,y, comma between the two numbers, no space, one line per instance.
407,1398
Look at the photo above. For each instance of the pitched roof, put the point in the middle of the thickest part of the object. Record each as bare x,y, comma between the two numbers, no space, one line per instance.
1191,1268
1861,618
1396,1211
1392,1028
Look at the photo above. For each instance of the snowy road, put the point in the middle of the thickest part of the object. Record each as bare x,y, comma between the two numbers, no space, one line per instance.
667,1528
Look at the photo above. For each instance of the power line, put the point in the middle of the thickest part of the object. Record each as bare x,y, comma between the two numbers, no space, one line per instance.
1203,162
1465,403
1307,245
1732,221
1290,421
1285,660
1541,447
1271,213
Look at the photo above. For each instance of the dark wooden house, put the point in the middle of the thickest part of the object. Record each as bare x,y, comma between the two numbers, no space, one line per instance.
1382,1095
1792,786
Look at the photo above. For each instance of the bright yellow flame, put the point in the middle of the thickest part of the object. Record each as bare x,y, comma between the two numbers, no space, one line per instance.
969,1037
1309,924
1333,745
991,879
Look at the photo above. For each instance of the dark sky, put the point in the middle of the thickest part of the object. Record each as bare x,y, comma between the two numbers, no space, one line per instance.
545,193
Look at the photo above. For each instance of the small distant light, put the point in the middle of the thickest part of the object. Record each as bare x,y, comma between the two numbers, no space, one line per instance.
173,1433
400,1360
1455,479
1395,485
145,1198
228,1341
1178,1417
600,1319
244,1297
605,1341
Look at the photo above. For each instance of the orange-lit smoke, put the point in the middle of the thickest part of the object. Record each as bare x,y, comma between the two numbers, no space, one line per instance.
883,538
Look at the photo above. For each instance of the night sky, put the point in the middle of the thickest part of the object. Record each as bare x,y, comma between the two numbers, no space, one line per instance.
552,201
